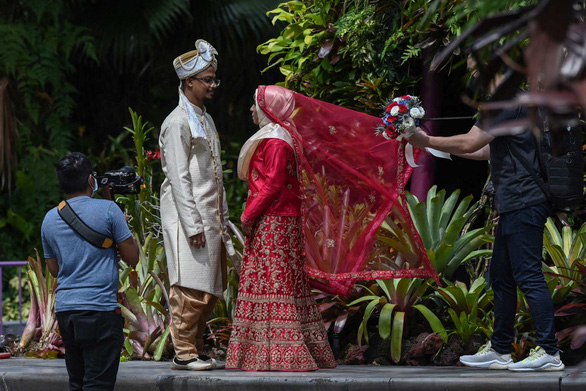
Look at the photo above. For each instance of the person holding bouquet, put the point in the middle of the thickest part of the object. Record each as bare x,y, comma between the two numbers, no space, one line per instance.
518,245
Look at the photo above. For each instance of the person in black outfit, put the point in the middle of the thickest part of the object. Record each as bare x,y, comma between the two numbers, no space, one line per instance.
517,253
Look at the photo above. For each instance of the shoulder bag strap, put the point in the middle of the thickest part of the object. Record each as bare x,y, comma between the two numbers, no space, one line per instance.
91,236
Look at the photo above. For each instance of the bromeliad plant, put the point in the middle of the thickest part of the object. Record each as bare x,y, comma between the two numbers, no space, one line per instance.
334,217
396,299
576,311
440,222
565,248
40,336
468,308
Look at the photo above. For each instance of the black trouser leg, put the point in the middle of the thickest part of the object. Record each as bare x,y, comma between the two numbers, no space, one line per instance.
516,262
73,354
98,337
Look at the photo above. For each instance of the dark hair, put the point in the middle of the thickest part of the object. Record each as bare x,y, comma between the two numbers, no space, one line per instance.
73,171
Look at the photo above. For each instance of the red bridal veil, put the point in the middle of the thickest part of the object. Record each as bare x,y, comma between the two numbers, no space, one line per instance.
356,223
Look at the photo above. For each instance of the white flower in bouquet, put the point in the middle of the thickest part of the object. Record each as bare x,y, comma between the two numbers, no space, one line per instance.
395,111
408,125
415,112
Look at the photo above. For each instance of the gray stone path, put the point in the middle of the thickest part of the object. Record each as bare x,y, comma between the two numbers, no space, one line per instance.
18,374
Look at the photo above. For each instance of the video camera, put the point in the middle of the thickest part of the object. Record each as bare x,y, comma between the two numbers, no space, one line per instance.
122,181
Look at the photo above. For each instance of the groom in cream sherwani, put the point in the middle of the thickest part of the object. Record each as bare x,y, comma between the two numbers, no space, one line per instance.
194,211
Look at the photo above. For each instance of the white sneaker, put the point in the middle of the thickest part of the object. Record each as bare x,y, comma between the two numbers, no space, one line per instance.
195,364
488,358
539,360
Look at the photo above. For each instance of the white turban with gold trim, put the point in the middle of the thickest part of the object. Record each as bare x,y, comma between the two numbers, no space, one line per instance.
196,61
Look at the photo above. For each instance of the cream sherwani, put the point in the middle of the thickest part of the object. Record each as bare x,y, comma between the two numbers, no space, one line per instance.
193,200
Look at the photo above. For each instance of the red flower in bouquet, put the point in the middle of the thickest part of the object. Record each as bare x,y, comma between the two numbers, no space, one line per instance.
391,132
390,107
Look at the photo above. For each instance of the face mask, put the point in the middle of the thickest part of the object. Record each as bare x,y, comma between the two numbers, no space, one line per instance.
94,187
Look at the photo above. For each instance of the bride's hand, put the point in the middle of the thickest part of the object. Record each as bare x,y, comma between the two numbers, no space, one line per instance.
419,139
247,230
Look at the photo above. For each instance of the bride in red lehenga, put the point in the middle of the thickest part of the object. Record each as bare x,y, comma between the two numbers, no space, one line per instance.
325,207
277,325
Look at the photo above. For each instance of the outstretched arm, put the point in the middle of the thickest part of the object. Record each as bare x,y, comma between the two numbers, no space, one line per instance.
482,154
470,145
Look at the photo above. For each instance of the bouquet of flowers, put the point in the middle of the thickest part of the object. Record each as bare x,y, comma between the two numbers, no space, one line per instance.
401,117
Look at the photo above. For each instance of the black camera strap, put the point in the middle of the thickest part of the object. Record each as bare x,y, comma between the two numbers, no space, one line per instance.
77,224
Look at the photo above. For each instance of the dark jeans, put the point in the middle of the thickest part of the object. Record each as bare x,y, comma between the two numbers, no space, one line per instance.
516,261
93,342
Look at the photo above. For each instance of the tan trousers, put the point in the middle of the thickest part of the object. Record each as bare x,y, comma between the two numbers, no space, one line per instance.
190,310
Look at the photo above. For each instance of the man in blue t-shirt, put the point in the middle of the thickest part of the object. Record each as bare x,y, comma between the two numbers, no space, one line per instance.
86,302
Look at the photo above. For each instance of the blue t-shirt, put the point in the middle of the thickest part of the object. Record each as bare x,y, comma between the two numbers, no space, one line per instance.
88,276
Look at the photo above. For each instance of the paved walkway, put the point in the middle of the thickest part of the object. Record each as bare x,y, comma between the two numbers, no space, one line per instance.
19,374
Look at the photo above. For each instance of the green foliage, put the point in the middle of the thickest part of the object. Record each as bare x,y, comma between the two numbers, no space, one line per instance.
332,51
358,54
37,47
395,300
440,221
144,291
566,279
575,310
468,309
145,206
564,248
10,304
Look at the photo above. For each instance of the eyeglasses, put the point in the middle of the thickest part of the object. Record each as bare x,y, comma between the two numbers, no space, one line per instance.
208,80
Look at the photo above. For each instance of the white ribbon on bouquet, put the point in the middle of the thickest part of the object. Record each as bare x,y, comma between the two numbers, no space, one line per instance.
409,148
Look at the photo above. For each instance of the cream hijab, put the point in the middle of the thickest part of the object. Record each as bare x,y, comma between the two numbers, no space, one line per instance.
268,129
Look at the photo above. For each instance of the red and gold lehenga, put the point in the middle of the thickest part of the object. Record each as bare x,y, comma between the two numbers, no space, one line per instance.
325,203
277,325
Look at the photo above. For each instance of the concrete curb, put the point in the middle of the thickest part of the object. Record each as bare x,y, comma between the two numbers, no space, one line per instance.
18,374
